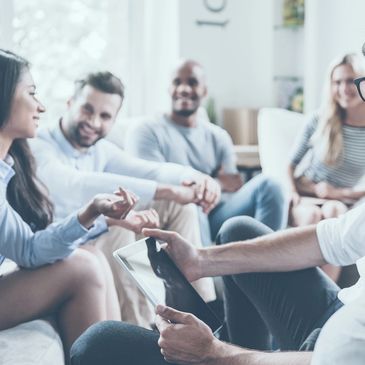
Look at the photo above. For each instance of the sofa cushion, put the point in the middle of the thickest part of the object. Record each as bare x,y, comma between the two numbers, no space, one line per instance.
31,343
277,132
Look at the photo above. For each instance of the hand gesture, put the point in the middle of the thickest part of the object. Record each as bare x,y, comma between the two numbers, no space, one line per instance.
136,221
185,194
207,192
230,182
117,205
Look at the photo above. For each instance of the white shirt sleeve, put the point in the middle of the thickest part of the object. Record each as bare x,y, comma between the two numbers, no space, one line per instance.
70,188
342,239
122,162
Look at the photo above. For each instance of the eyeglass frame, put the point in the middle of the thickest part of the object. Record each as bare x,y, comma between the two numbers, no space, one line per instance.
357,82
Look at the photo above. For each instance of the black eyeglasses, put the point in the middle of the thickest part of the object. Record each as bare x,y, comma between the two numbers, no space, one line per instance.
360,85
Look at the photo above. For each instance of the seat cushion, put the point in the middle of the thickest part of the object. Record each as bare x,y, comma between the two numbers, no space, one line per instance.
35,342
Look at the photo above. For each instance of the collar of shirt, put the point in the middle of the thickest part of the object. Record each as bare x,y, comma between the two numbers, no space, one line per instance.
66,146
181,128
6,169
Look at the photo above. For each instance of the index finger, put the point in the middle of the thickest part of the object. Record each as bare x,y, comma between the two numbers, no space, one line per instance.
165,236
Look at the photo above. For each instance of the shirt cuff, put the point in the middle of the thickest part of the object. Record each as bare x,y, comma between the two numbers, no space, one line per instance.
72,229
100,226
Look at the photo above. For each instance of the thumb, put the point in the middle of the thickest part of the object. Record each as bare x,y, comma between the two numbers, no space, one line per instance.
173,315
166,236
187,183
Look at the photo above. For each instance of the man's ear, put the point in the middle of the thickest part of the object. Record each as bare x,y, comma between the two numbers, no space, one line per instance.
205,93
69,102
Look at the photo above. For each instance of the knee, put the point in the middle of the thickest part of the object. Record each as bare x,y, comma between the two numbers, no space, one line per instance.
269,186
91,347
314,215
189,211
85,269
305,215
110,341
241,228
333,209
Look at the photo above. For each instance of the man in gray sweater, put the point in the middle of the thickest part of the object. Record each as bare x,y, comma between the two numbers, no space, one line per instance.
183,136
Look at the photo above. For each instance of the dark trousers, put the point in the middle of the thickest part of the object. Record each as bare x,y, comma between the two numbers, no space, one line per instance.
292,306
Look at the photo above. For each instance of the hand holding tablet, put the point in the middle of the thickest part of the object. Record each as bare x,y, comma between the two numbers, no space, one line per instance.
161,281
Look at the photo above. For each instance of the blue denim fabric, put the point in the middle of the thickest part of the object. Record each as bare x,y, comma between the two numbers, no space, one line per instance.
260,198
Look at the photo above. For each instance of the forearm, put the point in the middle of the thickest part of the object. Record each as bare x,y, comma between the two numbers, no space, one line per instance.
304,186
288,250
164,192
226,354
87,215
351,194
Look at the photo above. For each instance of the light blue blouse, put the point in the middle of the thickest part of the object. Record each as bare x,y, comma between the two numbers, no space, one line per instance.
28,249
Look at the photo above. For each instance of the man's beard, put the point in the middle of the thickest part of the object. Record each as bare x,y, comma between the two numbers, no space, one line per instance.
185,112
80,141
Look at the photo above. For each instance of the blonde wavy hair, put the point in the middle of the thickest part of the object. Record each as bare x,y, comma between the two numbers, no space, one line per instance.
328,137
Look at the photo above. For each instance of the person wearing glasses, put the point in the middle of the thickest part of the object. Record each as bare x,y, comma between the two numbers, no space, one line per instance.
335,139
272,285
328,160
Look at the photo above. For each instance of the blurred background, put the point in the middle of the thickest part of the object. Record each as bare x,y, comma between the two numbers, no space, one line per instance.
257,53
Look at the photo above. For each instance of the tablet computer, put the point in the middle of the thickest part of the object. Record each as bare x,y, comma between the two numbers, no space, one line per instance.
162,282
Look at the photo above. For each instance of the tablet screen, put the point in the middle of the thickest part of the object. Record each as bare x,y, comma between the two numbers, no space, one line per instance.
161,280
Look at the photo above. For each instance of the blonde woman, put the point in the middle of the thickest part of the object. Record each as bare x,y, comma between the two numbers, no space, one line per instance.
335,141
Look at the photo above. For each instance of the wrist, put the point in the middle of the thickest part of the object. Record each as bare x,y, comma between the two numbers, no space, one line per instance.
164,192
216,352
88,214
222,353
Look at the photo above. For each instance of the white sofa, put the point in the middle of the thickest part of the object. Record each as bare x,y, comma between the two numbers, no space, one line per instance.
31,343
277,131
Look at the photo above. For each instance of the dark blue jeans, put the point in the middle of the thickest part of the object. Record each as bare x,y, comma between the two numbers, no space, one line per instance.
261,198
292,306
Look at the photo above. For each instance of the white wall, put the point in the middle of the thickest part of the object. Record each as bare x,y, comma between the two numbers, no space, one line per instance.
241,60
332,27
153,52
237,57
6,18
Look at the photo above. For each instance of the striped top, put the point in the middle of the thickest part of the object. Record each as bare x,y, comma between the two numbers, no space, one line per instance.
351,166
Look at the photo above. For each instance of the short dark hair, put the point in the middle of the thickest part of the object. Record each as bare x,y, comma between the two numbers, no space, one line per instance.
103,81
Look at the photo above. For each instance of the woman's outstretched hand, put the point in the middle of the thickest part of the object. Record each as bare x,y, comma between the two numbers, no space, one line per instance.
116,206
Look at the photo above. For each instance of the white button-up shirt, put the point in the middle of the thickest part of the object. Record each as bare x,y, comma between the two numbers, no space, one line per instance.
73,177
